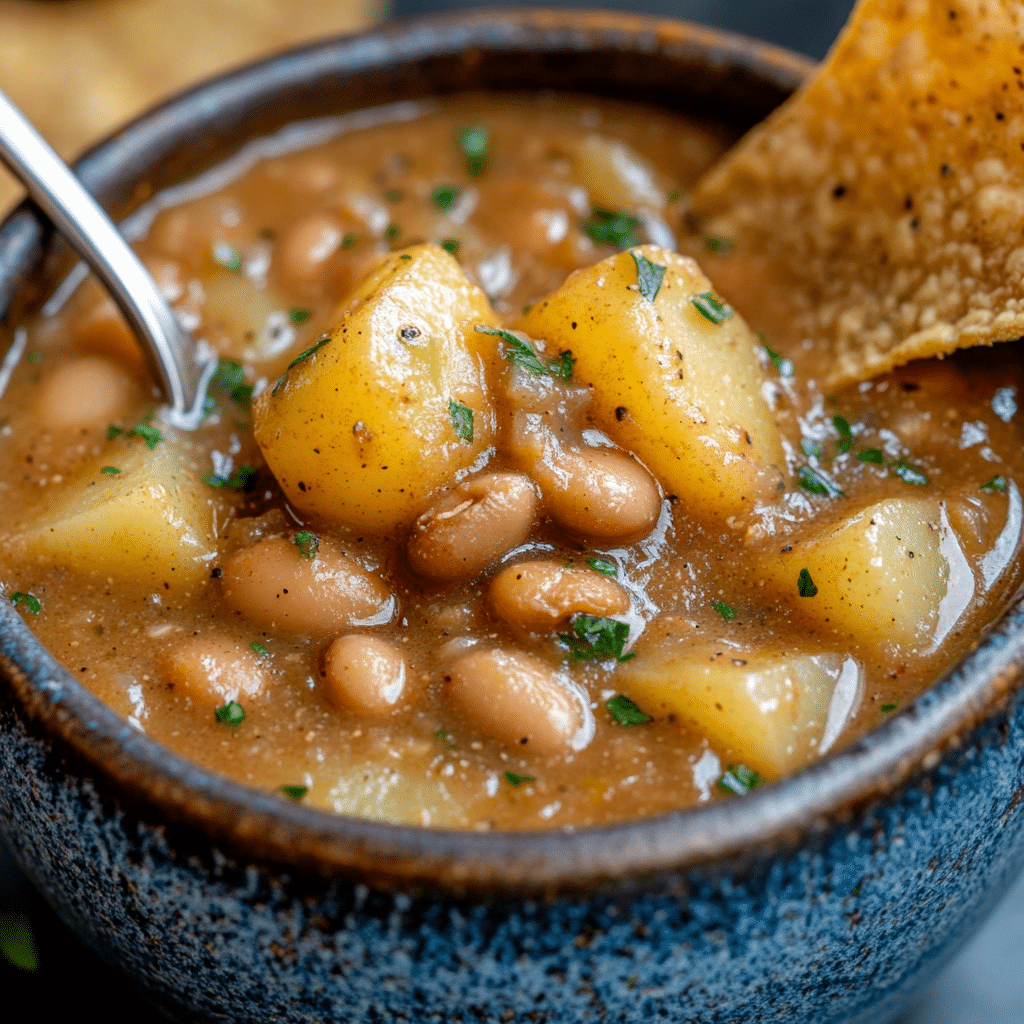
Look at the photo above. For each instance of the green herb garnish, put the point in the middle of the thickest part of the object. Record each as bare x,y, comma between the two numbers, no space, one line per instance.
445,196
593,637
609,227
648,275
711,307
675,195
113,430
908,474
811,480
887,709
805,585
230,376
997,483
625,712
391,232
715,243
445,737
518,780
301,357
872,455
239,479
232,714
783,366
475,142
740,779
307,542
561,368
228,256
4,420
17,943
348,241
299,316
394,195
147,432
603,566
259,648
726,611
30,601
35,357
451,246
295,793
462,420
845,433
110,471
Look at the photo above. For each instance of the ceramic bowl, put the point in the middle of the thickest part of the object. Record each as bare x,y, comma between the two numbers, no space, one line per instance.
834,896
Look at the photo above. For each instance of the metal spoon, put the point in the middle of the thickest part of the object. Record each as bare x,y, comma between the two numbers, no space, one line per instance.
92,234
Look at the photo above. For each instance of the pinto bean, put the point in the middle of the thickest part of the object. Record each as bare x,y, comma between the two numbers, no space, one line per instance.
307,246
83,393
364,674
476,523
519,699
213,669
273,585
538,597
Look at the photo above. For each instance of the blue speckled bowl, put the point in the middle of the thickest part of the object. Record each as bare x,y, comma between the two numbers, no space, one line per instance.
833,896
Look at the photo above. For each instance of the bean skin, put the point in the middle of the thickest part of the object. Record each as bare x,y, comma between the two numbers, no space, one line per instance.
274,586
84,393
364,674
477,523
213,669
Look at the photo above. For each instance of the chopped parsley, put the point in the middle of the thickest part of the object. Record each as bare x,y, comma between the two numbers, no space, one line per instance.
462,420
518,780
35,357
813,481
445,737
625,711
146,431
394,195
648,275
805,585
716,243
740,779
997,483
299,316
348,241
726,611
475,143
113,430
391,232
30,601
238,480
295,793
307,542
446,196
593,637
887,709
451,246
675,195
609,227
4,421
811,448
228,256
908,474
783,366
230,377
231,713
110,471
603,566
711,307
17,943
259,648
522,354
873,455
301,357
845,433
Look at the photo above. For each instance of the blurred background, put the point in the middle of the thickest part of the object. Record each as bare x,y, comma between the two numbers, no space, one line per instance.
78,68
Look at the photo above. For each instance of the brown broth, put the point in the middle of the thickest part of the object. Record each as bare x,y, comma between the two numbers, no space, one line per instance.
239,263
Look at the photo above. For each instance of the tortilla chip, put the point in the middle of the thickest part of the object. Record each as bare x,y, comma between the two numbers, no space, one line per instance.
888,193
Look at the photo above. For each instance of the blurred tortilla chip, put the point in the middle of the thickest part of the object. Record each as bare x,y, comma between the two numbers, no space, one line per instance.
888,193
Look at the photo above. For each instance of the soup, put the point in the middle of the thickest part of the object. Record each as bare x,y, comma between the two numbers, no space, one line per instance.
502,515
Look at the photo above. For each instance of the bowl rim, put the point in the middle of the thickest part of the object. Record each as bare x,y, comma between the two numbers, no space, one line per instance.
726,835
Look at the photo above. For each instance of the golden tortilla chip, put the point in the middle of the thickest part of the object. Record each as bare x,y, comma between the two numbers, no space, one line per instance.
889,191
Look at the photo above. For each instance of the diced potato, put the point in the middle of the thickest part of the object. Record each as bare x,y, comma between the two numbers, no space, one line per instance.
149,527
681,392
774,713
363,428
891,576
614,174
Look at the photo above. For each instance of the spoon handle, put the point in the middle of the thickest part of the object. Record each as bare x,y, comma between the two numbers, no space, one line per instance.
94,237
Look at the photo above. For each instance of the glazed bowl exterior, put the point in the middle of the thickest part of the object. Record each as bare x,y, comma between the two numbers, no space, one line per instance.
833,896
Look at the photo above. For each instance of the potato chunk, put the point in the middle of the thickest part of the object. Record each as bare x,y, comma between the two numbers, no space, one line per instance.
680,391
363,428
891,576
149,526
772,712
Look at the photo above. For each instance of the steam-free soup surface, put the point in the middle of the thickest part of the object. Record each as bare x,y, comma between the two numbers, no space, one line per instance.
465,540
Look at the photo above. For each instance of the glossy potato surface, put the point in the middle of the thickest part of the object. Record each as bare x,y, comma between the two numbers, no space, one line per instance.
681,392
360,431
